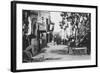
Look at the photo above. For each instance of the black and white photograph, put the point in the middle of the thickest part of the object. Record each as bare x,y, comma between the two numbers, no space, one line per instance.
55,36
47,36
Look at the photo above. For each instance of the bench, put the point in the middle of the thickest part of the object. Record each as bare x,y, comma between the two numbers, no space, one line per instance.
77,50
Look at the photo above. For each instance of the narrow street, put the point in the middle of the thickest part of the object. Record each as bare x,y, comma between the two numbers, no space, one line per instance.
58,53
47,34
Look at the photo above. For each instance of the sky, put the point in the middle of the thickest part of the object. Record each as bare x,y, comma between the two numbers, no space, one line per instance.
56,18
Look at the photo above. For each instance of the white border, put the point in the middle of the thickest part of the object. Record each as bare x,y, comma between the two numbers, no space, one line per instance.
21,65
